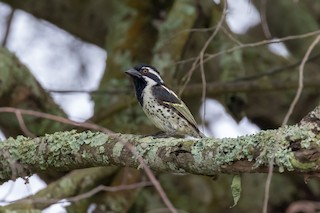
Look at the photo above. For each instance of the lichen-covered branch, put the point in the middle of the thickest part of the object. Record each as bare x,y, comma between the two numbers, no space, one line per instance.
69,185
295,148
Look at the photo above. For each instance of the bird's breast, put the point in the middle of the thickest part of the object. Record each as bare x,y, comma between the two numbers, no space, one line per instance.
157,113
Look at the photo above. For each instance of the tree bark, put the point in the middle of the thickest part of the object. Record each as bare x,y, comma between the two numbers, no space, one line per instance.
294,148
70,185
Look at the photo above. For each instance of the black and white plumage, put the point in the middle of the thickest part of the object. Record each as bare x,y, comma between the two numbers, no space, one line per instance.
161,105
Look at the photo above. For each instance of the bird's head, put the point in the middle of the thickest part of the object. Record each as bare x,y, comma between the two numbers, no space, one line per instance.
145,73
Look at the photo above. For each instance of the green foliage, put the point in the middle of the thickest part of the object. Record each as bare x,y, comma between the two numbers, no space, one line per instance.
236,189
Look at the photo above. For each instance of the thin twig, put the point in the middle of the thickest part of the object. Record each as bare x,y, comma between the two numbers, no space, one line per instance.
285,120
263,16
9,24
83,195
254,44
153,179
55,118
303,206
277,70
131,148
201,55
267,186
269,177
187,77
264,42
92,92
252,86
23,125
301,69
231,37
107,189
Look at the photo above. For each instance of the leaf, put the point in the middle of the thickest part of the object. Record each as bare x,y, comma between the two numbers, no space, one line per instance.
236,189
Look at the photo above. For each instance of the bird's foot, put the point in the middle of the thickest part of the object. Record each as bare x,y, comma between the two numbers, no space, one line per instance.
155,135
165,135
162,134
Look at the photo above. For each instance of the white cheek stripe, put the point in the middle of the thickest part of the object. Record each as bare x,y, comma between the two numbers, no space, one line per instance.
155,73
150,81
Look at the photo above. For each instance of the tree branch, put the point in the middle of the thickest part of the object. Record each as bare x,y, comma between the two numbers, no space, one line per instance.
250,86
93,15
19,88
76,182
298,151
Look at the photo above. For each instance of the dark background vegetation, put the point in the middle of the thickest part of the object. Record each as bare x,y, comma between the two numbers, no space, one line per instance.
249,81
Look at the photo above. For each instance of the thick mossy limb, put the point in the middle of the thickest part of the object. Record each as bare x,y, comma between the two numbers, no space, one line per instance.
65,151
78,181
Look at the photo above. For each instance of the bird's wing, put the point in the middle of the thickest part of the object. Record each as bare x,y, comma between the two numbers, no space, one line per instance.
183,109
169,97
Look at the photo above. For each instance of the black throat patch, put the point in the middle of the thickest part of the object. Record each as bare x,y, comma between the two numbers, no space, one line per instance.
139,85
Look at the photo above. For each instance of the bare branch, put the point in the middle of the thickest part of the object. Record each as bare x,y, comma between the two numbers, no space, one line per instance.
254,44
304,206
51,117
8,27
301,69
219,88
201,55
286,118
23,125
58,189
199,59
108,189
263,17
131,148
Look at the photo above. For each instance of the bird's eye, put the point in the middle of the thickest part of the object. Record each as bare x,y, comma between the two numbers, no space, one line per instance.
145,70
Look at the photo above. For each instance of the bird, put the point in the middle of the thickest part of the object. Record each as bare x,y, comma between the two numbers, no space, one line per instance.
161,105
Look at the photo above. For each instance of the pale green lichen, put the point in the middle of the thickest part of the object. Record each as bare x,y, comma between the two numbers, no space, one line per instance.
101,149
97,139
151,153
304,135
85,154
282,159
300,165
196,152
145,145
117,150
65,183
208,154
105,159
172,166
306,142
227,150
271,144
61,145
277,147
148,150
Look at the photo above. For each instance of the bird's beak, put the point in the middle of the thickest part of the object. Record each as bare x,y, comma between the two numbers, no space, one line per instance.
133,73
